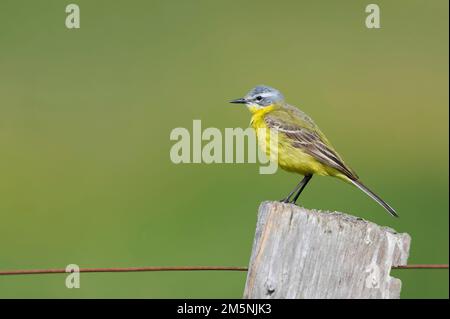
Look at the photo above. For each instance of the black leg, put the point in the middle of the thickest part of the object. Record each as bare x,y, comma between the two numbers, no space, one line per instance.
299,186
306,179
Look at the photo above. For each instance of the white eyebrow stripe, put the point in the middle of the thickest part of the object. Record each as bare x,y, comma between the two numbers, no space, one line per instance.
266,94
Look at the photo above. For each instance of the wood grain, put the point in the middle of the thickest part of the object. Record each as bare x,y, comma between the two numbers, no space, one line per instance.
300,253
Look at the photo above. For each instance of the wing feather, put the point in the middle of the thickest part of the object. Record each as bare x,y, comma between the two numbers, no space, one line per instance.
309,139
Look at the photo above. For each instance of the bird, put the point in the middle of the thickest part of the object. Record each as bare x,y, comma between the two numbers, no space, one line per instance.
302,147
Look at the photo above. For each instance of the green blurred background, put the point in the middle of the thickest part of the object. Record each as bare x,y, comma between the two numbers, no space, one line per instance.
85,118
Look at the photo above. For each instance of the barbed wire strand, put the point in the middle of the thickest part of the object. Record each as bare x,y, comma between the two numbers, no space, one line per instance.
174,268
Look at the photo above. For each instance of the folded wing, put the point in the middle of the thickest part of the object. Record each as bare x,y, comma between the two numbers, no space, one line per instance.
307,136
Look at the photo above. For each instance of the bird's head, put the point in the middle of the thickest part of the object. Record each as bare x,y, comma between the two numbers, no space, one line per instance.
261,97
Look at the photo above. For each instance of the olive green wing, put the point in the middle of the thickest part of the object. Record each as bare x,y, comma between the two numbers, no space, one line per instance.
305,134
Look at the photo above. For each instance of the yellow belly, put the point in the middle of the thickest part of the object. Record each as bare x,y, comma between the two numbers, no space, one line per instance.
295,160
289,158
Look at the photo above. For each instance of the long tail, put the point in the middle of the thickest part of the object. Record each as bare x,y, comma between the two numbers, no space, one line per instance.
374,196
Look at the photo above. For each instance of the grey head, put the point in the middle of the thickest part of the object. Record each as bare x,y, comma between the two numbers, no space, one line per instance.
261,96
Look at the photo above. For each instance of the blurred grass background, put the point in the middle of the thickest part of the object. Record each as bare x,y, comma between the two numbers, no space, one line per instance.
85,117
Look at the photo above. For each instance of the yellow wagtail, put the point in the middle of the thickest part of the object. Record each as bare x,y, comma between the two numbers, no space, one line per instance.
302,147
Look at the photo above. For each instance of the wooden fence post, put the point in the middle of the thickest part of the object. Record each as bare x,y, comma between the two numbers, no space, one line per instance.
300,253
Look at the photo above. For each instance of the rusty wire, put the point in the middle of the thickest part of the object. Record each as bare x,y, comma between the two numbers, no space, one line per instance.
174,268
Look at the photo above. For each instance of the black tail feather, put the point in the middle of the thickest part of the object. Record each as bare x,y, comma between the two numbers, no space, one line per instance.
375,197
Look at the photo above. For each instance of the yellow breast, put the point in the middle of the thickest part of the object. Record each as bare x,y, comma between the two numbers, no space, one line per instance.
289,158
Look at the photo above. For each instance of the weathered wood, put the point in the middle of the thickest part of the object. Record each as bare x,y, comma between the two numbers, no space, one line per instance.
300,253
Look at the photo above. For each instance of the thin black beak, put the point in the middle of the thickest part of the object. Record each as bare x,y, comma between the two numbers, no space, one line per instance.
239,101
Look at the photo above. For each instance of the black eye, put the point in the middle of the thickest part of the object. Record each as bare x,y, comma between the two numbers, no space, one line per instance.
258,98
